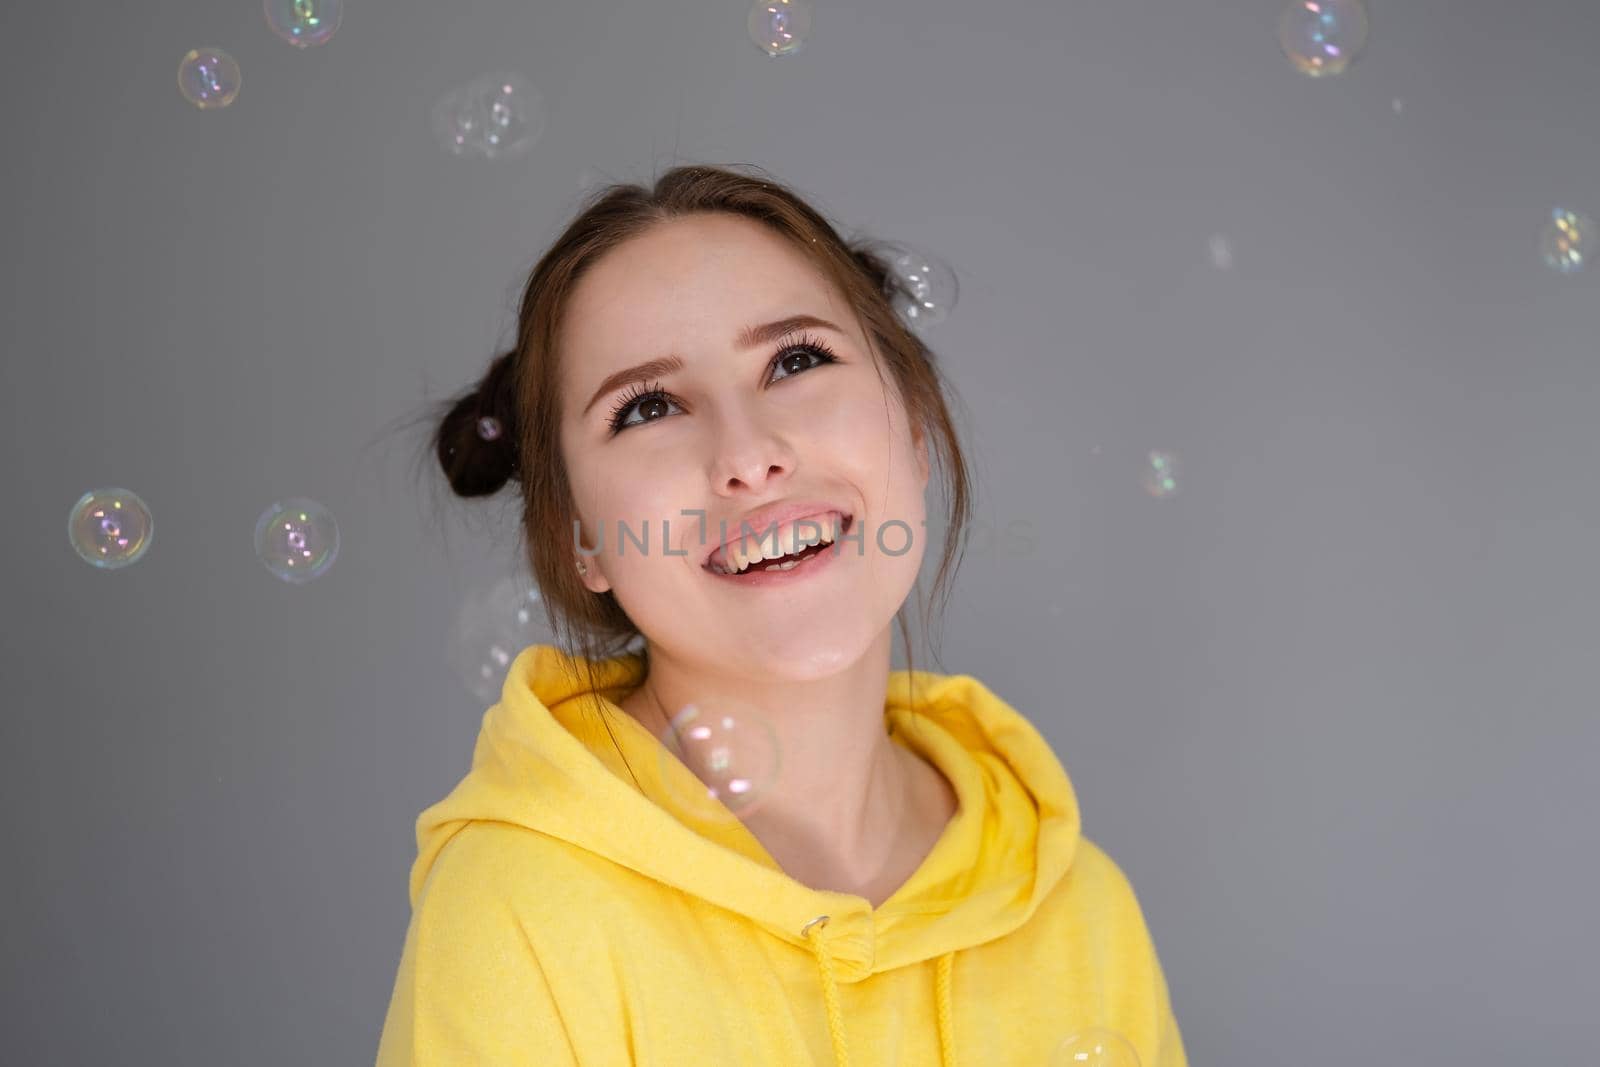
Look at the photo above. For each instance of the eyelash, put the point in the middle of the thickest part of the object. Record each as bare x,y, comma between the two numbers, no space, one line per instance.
637,393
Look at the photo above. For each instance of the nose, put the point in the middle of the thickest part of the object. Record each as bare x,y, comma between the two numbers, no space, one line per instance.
752,476
751,457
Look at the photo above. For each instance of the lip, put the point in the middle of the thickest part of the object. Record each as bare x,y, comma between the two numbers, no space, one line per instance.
763,520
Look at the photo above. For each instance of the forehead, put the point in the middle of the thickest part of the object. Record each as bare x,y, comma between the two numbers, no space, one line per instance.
690,282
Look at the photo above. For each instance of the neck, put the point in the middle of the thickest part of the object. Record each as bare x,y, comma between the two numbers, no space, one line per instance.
838,811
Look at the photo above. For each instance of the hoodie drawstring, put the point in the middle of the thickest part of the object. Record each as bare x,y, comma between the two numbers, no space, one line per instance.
830,995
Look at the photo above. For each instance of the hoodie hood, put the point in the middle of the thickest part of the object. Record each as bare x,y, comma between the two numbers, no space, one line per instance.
544,760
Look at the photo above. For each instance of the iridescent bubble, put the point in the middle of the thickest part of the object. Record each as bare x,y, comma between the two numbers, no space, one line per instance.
731,750
489,428
304,23
297,539
1567,240
921,287
491,628
1094,1047
457,121
1321,37
515,111
208,78
780,27
1160,478
497,116
110,528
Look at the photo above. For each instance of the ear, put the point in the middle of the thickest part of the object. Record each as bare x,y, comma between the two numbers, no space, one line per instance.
593,579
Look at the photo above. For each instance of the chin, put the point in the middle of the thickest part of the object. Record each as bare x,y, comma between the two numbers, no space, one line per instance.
796,656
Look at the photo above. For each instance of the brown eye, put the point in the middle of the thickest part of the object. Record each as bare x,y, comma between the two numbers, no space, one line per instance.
647,399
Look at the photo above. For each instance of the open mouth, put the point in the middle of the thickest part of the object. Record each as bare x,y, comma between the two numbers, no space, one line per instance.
785,562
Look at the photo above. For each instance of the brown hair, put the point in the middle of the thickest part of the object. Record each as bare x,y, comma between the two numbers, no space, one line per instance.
520,389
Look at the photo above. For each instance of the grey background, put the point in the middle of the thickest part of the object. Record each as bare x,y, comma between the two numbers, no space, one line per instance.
1331,706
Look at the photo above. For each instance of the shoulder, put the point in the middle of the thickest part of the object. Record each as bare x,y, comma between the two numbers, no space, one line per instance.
552,894
503,860
1110,918
1100,888
473,984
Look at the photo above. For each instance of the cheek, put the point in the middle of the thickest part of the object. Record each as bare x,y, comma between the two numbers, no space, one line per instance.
855,423
645,510
586,506
904,526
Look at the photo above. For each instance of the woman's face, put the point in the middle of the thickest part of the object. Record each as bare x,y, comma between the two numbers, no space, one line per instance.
735,429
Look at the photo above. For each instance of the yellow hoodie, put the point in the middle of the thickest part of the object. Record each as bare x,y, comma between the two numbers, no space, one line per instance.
562,918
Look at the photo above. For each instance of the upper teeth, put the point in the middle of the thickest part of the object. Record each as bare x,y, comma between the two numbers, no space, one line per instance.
792,537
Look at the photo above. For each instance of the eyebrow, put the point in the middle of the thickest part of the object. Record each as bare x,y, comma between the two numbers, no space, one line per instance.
748,338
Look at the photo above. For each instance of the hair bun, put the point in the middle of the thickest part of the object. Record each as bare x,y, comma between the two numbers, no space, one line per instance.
477,439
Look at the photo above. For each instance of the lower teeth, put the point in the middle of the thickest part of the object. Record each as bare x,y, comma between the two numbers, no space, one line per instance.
760,569
789,565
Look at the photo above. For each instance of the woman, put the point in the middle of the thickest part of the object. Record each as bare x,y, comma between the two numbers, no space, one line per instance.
910,886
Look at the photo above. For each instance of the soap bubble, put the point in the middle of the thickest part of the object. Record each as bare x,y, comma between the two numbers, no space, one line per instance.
1321,37
491,628
457,122
1160,478
110,528
731,750
497,116
1566,241
459,119
1094,1047
208,78
515,111
921,287
297,540
780,27
304,23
